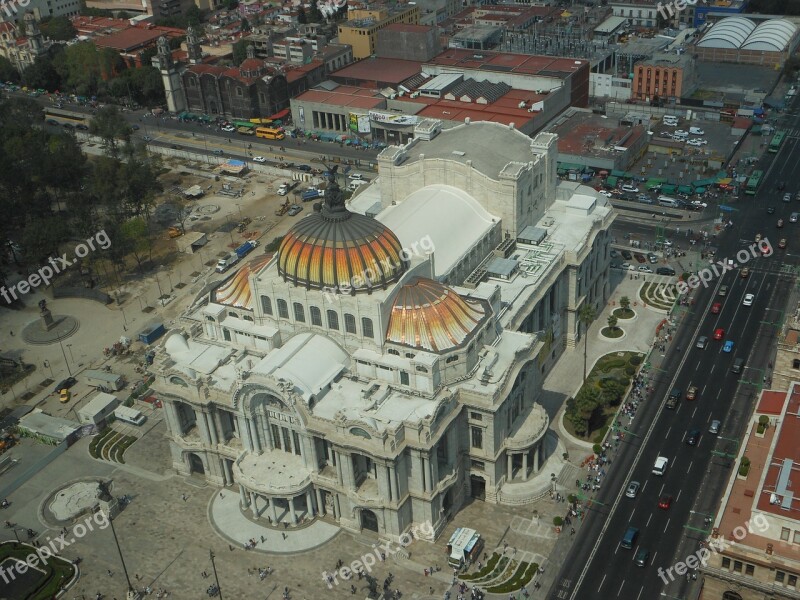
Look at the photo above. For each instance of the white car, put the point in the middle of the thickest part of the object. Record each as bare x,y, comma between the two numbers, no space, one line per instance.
700,141
696,131
627,267
693,143
748,299
680,132
631,189
645,269
607,194
259,159
229,129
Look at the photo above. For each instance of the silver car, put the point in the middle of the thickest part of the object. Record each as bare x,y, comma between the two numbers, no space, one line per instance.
633,489
702,341
715,425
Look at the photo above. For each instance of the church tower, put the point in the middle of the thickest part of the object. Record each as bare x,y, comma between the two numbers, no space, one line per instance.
193,47
170,76
34,35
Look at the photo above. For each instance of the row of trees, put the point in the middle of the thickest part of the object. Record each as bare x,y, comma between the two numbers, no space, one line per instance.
51,195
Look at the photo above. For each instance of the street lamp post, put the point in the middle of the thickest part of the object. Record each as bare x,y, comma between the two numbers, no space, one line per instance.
72,358
65,357
214,568
49,366
121,558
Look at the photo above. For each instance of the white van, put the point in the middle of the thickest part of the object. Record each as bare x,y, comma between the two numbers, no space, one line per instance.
661,465
355,184
356,177
670,120
696,131
129,415
668,202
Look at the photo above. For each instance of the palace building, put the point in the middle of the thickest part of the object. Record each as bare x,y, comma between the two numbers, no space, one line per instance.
384,366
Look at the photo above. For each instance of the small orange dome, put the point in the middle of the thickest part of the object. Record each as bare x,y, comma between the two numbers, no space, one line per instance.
431,316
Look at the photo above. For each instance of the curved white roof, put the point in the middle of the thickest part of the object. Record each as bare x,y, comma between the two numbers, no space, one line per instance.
773,35
730,32
452,219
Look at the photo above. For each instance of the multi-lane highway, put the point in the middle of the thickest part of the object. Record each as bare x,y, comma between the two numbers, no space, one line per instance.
598,567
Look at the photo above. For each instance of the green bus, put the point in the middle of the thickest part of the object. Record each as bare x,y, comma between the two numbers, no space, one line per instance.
777,141
754,182
245,124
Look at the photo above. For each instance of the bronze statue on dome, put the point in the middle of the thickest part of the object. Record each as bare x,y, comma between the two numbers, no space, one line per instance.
334,197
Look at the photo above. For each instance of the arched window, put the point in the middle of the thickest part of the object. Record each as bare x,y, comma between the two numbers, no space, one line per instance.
333,320
283,309
316,316
299,313
349,323
266,305
366,327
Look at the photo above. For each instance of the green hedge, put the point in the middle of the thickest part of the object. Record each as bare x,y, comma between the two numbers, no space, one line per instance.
498,570
487,568
600,435
635,360
522,576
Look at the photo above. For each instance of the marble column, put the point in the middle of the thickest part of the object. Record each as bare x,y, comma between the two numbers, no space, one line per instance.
263,425
339,473
172,419
388,470
393,483
536,459
423,473
252,430
243,496
274,511
212,427
525,465
244,433
337,505
310,503
320,504
314,452
254,504
291,511
433,465
510,467
229,470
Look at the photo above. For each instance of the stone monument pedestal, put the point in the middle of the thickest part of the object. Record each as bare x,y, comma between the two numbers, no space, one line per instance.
47,319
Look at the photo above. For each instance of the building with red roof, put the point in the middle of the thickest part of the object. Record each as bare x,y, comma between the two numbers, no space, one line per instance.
754,546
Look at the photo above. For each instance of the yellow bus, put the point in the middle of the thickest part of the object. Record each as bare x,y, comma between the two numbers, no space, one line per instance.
261,121
270,133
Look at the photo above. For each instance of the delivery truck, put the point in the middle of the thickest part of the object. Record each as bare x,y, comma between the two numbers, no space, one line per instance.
246,248
464,547
129,415
105,381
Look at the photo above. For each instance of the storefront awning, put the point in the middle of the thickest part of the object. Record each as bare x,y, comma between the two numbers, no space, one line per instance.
282,114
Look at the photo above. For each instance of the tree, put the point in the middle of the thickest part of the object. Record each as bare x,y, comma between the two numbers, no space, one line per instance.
109,124
315,15
625,303
246,25
42,74
240,51
302,18
57,28
137,238
586,315
612,322
7,71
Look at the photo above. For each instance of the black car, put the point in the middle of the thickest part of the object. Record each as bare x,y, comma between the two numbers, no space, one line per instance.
304,168
665,271
627,255
781,186
693,437
218,152
65,384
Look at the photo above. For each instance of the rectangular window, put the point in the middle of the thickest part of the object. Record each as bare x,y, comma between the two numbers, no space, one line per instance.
737,566
403,378
287,445
726,562
478,465
791,580
296,439
785,531
299,313
749,569
276,437
476,416
780,576
477,437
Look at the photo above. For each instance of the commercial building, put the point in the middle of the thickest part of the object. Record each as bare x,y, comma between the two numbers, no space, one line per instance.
638,14
158,9
756,534
385,370
592,141
408,42
699,13
39,9
383,99
740,40
363,24
664,76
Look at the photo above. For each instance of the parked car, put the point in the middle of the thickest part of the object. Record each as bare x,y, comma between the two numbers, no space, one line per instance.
295,210
626,266
613,254
640,258
65,396
652,258
645,269
627,255
259,159
65,384
631,189
665,271
304,168
694,142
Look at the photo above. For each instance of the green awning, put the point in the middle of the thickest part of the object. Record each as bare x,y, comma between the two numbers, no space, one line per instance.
561,171
631,175
700,190
668,189
703,183
685,189
570,166
618,174
654,183
611,181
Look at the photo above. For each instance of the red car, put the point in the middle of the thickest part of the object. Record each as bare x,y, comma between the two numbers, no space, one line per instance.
716,308
639,258
664,502
719,334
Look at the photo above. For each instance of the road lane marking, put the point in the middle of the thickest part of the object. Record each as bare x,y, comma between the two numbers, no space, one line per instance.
602,581
690,467
666,526
650,518
668,430
621,585
640,593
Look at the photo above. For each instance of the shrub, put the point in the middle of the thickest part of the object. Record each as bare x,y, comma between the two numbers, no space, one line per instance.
558,521
597,449
624,382
630,371
761,428
487,568
744,470
763,420
601,434
745,461
635,360
572,498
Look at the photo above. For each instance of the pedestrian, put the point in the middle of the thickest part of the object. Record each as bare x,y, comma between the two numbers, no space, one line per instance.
352,590
12,333
110,574
284,535
263,539
183,497
572,531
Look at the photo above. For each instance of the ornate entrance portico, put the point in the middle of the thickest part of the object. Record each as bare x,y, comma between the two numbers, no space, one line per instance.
525,448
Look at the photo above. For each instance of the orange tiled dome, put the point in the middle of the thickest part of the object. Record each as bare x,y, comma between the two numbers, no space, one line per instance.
431,316
335,248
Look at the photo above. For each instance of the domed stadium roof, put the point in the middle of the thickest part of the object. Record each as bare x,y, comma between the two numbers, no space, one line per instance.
336,249
431,316
739,33
773,35
730,32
